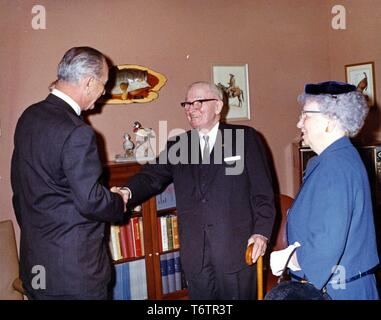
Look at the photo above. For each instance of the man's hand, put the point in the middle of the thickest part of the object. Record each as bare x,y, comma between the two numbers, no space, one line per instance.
259,246
278,259
125,193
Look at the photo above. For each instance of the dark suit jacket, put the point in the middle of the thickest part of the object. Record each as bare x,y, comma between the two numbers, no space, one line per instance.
59,203
229,207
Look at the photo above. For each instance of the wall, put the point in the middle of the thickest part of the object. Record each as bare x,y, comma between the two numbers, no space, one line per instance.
358,43
285,43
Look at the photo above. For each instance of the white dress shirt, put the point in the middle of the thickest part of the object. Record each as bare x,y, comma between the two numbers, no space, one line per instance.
212,138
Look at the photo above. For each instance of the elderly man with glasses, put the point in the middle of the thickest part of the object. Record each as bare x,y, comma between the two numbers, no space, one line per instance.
224,197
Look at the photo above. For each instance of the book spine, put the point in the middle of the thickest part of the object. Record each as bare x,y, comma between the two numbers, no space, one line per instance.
124,241
141,234
115,243
136,234
164,273
171,272
130,240
177,261
175,231
169,232
164,233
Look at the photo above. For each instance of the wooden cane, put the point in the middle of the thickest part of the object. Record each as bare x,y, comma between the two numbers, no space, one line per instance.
249,261
260,278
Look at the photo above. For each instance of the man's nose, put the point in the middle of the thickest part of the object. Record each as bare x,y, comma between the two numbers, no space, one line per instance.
300,123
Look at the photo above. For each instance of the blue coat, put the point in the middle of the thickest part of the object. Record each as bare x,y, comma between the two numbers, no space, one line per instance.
332,219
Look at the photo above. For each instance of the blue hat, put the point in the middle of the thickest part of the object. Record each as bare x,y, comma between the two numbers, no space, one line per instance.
329,87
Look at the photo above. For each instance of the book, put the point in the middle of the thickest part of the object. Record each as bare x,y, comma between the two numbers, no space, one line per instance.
159,237
177,261
164,273
141,234
171,272
116,252
169,232
175,232
121,289
136,236
124,241
164,233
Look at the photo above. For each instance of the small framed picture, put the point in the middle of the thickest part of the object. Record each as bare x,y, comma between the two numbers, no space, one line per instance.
362,76
234,82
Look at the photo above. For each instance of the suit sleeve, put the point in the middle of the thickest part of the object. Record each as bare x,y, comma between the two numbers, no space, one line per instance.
261,189
83,170
151,180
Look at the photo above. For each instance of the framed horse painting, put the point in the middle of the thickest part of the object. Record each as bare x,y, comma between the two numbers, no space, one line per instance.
233,80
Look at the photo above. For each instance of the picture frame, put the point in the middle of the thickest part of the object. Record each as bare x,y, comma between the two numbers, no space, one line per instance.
129,83
234,82
362,76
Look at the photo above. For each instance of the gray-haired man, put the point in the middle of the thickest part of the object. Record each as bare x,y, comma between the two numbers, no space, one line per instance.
58,201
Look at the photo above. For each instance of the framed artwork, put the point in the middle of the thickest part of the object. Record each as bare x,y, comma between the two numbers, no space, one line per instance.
234,81
132,83
362,76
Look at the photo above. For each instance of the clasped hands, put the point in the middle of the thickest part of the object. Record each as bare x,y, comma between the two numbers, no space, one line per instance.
124,192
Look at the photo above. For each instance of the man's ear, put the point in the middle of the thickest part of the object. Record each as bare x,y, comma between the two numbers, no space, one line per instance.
219,107
86,83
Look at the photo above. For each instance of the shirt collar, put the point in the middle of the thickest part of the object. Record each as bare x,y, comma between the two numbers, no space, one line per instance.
68,100
212,136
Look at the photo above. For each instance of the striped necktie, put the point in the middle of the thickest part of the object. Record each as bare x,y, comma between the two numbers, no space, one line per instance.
206,152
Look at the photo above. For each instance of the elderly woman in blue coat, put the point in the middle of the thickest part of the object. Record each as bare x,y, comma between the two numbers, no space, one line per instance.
330,228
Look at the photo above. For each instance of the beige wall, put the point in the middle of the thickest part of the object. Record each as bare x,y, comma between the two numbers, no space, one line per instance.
360,42
286,43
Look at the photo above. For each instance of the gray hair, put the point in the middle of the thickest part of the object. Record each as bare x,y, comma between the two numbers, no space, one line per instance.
350,109
79,62
211,87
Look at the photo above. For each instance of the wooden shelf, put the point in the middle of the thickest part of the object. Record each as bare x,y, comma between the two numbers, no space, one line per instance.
117,174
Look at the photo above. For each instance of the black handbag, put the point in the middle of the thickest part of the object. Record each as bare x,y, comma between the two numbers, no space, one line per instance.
295,290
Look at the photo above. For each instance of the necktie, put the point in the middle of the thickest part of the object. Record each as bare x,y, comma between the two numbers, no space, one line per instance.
206,152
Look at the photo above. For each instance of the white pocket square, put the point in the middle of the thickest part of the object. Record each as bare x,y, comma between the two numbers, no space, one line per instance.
233,158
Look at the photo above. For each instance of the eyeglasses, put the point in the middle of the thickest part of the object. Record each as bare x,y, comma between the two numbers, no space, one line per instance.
196,103
303,113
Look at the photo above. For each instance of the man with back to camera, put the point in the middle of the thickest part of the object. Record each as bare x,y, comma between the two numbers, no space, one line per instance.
224,197
59,203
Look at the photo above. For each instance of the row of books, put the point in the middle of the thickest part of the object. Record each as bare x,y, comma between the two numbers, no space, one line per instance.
172,276
130,281
127,240
168,232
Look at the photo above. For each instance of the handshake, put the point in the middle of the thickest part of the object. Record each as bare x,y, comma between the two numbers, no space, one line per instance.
124,192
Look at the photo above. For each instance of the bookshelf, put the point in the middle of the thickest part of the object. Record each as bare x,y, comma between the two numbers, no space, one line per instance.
155,253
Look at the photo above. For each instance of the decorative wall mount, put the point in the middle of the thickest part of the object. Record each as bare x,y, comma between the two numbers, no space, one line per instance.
130,83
